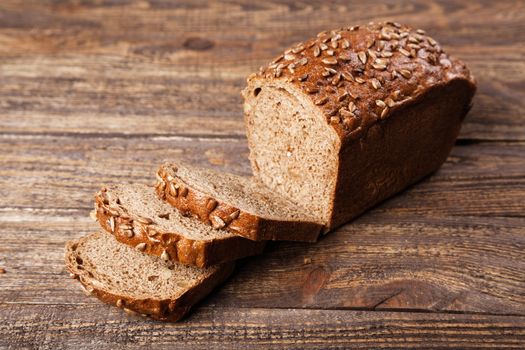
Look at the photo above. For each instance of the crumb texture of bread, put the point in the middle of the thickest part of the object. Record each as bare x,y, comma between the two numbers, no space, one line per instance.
319,106
234,203
137,282
136,217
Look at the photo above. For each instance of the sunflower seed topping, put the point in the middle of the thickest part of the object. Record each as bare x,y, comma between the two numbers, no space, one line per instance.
329,60
321,101
141,247
165,256
303,77
234,215
345,44
380,103
217,222
405,73
389,102
362,56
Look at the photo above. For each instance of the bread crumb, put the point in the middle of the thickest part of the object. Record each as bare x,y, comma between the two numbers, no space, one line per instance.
307,261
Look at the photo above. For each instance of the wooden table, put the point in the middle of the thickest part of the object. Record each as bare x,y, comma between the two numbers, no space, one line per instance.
101,92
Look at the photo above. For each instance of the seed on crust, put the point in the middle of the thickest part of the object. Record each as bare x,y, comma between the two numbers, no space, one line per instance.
404,52
330,52
217,222
303,77
311,90
134,231
405,73
345,44
303,61
321,101
165,256
336,79
342,96
173,190
351,106
289,57
359,80
317,51
384,113
334,120
119,303
329,60
362,56
432,41
345,56
128,233
371,54
389,102
141,247
347,76
144,220
211,204
298,49
381,103
234,215
111,223
376,84
323,46
379,66
345,113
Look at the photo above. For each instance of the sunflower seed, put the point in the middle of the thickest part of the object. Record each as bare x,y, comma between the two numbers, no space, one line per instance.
334,120
329,60
342,96
289,57
347,76
111,223
345,44
330,52
317,51
141,246
359,80
144,220
386,54
351,106
211,205
384,112
217,222
362,56
346,113
128,233
389,102
380,103
321,101
345,56
323,46
432,41
119,303
298,49
371,54
404,52
376,84
311,90
173,190
234,215
165,256
303,61
379,66
405,73
303,77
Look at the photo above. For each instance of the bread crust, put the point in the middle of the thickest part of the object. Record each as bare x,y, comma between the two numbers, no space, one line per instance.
171,245
170,310
363,81
219,214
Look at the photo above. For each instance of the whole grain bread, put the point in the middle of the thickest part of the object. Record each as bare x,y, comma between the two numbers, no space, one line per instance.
136,217
137,282
234,203
342,121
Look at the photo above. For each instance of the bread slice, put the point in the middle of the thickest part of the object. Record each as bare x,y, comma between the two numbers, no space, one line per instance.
136,217
122,276
235,203
354,115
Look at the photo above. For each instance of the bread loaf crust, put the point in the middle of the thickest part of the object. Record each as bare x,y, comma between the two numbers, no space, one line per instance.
161,309
172,245
221,215
363,81
358,76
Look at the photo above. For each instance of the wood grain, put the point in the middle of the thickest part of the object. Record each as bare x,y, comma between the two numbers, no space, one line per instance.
100,92
66,326
134,66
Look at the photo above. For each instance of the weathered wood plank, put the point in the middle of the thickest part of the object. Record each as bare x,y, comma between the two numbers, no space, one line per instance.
100,326
64,172
178,68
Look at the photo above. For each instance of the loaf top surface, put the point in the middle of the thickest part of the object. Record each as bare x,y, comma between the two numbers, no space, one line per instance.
360,75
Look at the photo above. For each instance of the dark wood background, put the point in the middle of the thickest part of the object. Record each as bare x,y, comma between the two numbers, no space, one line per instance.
99,92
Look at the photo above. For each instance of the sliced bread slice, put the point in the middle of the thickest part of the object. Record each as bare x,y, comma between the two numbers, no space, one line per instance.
235,203
136,217
145,284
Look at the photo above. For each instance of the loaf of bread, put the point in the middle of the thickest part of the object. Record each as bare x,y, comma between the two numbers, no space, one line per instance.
137,282
234,203
342,121
136,217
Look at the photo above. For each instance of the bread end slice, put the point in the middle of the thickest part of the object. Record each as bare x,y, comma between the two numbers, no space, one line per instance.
137,282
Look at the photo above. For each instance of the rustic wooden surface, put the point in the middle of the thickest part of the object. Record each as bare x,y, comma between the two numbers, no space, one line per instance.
97,92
